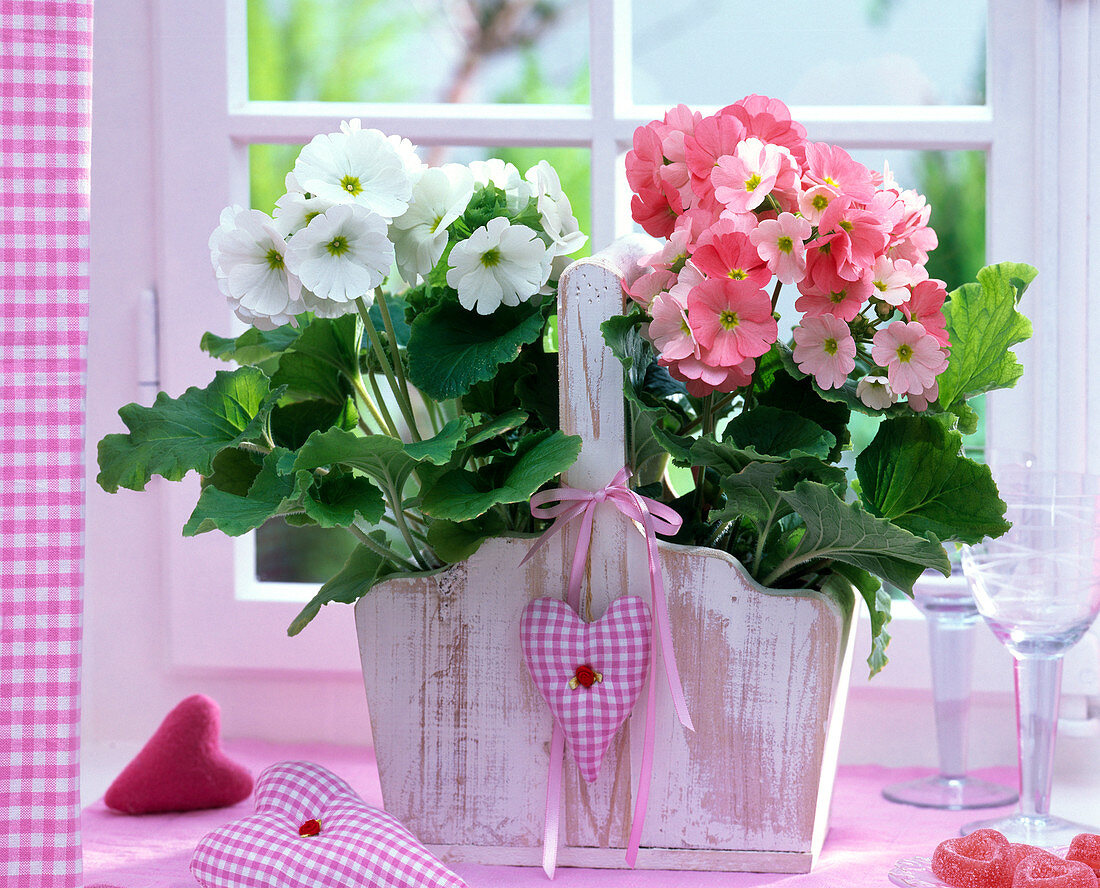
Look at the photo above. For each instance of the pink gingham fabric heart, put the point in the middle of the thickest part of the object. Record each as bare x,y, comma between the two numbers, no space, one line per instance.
559,646
311,829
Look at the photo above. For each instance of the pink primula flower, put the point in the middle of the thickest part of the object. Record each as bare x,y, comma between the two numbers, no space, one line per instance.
813,202
892,280
714,137
731,256
824,292
920,401
769,120
673,255
731,321
833,167
644,161
702,379
856,237
647,286
912,357
824,348
669,330
781,244
925,305
656,210
743,180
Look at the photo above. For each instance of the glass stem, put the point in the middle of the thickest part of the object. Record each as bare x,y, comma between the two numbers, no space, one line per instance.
951,647
1038,687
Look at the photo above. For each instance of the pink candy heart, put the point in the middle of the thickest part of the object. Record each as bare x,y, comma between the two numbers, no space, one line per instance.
589,674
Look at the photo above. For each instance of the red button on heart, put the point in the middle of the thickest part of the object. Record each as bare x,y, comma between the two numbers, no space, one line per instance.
310,828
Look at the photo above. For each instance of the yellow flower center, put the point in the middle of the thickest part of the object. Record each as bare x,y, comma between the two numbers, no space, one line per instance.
752,182
829,180
837,296
337,246
830,346
274,258
351,184
785,244
728,319
880,286
490,257
845,224
737,274
820,202
905,353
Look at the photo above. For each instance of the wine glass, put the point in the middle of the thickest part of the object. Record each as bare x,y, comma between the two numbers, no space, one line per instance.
951,616
1038,588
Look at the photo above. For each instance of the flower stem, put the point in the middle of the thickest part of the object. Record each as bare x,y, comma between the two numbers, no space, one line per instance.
364,396
387,369
775,294
376,547
388,425
398,366
707,417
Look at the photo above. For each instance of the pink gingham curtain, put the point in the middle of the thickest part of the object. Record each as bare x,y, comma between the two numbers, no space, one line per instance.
45,93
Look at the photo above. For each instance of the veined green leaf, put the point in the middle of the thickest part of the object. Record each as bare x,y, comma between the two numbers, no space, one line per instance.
269,495
254,347
324,358
778,432
339,501
460,495
379,456
451,349
839,531
983,324
915,474
179,435
363,569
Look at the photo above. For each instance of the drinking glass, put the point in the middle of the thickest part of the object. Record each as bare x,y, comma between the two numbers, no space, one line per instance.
1038,589
951,616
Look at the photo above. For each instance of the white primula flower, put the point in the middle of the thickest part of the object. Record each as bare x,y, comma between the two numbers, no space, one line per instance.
500,263
294,210
356,166
343,254
555,210
506,177
875,392
405,148
420,236
248,255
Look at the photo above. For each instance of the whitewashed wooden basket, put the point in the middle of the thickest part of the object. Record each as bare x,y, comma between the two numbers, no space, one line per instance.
462,736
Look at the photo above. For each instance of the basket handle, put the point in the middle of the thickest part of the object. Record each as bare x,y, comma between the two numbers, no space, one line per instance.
591,402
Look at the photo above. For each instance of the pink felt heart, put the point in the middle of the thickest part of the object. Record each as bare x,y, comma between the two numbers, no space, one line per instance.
310,828
182,767
589,674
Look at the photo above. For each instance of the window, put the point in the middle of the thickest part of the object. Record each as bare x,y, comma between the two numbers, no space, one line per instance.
972,91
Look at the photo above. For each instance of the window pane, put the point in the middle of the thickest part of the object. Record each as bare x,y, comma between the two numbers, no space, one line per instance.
286,554
844,52
515,51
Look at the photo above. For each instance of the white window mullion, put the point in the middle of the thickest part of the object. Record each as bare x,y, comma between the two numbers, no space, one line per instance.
1092,222
607,21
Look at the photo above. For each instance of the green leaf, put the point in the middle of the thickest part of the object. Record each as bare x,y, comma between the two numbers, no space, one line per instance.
802,397
439,449
451,349
878,607
496,427
324,360
379,456
983,324
234,471
292,424
778,432
363,569
177,436
270,495
339,501
460,495
457,540
839,531
915,474
254,347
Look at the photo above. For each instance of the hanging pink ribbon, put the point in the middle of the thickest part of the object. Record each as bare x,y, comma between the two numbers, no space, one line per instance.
654,517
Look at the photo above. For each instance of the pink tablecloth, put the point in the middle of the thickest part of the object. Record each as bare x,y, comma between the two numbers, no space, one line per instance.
867,835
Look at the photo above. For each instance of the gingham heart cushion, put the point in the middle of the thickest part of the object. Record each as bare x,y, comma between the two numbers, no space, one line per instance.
589,674
311,830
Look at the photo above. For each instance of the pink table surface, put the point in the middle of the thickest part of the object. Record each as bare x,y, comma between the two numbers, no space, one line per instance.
866,837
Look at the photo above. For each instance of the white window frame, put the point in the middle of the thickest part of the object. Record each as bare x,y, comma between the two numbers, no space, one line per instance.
1036,49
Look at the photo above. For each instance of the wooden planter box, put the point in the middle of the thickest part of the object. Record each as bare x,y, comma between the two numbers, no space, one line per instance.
463,737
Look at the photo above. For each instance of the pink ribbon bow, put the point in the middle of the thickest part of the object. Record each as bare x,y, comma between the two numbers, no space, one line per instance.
654,517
